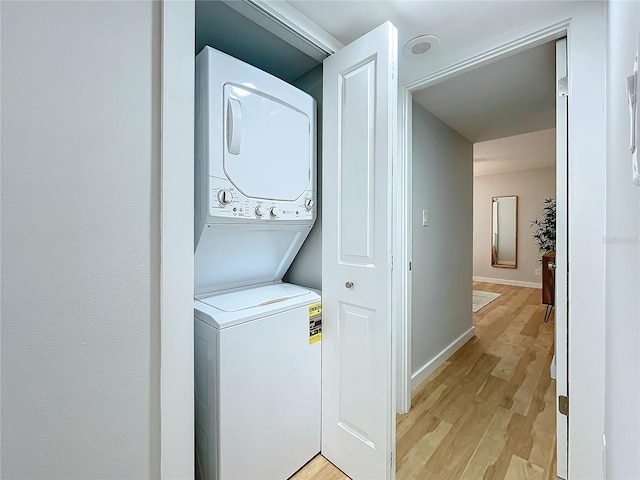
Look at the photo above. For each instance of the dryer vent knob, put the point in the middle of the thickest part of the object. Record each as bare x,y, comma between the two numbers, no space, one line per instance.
275,211
225,197
308,203
259,211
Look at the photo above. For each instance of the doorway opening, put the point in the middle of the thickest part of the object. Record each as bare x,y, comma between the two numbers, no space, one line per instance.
477,136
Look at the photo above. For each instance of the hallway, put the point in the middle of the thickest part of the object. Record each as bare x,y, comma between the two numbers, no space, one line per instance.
489,411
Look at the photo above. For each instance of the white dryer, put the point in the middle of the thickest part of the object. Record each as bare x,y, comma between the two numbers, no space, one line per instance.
255,173
257,355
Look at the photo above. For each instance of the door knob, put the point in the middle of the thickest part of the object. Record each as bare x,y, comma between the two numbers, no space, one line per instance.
349,284
551,266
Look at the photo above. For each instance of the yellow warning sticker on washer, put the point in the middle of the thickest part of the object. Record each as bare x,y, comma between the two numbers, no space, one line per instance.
315,323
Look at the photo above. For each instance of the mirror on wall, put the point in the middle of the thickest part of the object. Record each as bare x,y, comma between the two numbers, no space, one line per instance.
504,232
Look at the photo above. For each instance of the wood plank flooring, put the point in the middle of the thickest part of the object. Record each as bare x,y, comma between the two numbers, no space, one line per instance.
489,411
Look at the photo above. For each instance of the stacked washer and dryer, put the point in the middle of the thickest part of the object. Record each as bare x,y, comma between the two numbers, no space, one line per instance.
257,354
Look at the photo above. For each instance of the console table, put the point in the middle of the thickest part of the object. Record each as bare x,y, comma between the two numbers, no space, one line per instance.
548,282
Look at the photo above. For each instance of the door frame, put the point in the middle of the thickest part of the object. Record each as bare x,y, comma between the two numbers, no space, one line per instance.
177,85
585,32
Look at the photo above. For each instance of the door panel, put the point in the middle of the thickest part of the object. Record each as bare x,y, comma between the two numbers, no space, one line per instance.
359,130
356,384
356,101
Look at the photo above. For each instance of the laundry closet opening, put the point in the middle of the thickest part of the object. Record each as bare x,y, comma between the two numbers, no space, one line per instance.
257,304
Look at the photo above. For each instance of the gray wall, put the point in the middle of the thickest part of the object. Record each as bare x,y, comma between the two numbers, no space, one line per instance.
531,187
80,240
622,393
306,268
442,252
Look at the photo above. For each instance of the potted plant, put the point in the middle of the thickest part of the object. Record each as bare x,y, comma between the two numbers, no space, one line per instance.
544,227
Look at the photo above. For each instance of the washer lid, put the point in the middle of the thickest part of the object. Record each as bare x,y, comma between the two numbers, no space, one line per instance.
242,306
254,297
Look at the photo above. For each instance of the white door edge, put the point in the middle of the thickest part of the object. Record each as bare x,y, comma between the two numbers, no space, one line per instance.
403,251
560,346
176,429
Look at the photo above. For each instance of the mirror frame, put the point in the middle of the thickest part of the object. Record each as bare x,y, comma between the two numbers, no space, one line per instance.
494,260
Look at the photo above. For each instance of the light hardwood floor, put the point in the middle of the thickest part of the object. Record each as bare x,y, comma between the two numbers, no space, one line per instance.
489,411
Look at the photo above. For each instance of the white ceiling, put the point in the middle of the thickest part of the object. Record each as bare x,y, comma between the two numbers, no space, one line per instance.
455,22
520,152
512,96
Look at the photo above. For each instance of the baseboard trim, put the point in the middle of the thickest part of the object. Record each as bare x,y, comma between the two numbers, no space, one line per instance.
431,366
514,283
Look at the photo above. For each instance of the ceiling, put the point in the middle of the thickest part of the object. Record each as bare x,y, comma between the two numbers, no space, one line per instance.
455,22
509,97
520,152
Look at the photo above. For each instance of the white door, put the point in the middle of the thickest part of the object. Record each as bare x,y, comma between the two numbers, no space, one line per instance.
561,255
359,141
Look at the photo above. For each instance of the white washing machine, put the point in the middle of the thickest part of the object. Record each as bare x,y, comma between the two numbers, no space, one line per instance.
257,350
257,367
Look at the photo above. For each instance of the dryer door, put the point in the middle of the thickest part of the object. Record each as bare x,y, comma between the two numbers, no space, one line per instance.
268,145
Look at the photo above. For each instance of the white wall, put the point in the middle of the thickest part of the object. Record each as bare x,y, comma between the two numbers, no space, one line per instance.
531,187
442,261
306,268
622,419
80,240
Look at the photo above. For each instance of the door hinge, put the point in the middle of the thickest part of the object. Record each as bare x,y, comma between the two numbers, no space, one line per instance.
391,262
563,405
409,266
391,455
563,87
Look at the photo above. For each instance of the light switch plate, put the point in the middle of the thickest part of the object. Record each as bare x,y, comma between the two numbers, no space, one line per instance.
425,218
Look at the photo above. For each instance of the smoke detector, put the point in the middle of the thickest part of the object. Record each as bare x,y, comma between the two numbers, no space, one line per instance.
421,45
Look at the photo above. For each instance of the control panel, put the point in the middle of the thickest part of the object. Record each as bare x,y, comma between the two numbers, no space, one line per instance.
228,202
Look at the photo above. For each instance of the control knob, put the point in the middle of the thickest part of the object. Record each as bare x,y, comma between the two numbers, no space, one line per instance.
225,197
259,211
308,204
274,211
